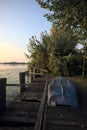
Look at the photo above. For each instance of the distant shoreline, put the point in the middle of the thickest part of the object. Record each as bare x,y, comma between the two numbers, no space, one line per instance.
14,63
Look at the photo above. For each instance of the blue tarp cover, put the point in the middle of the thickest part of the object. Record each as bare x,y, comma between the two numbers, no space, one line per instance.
62,91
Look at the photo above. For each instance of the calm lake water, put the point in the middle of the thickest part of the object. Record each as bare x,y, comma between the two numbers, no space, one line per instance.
11,72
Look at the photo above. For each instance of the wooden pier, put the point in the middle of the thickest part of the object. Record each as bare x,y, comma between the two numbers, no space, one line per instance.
29,111
23,112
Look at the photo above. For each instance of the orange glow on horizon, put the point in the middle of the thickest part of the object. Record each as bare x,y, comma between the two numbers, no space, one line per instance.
10,52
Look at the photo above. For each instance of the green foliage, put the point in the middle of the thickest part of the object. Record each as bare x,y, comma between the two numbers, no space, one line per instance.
58,66
67,13
64,42
38,52
71,16
56,52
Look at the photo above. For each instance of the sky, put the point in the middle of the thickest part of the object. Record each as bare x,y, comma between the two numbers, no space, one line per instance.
19,21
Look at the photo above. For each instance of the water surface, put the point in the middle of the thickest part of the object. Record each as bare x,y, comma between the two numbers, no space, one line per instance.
11,72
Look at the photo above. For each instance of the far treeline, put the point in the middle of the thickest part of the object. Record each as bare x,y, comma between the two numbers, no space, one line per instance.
59,51
14,63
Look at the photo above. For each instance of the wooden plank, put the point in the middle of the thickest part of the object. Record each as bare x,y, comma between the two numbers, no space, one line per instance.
17,121
38,124
31,100
66,116
31,107
32,95
16,128
60,113
24,114
61,127
33,73
23,84
67,123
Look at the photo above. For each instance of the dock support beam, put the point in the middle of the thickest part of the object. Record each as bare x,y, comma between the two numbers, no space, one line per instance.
2,95
22,81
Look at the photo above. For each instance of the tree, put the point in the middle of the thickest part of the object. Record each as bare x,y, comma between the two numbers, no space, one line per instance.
55,52
38,51
62,45
72,17
67,14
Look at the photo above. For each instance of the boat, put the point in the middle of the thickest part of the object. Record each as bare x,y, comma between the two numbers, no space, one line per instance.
62,91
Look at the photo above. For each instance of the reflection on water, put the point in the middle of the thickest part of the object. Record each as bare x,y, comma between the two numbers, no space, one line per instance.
12,66
11,72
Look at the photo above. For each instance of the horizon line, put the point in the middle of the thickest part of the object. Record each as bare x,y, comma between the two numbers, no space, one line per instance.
13,62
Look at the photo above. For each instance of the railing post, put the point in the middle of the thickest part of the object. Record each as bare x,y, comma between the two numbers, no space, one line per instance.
34,70
30,76
27,74
2,95
22,81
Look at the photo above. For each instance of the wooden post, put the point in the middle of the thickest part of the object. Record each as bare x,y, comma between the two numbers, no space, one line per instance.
34,70
2,95
30,76
22,81
27,75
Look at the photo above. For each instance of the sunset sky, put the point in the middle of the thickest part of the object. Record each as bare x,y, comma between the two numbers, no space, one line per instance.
19,20
10,52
